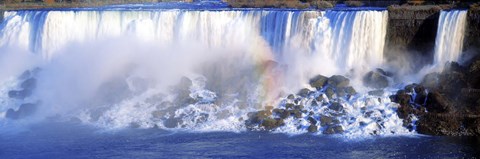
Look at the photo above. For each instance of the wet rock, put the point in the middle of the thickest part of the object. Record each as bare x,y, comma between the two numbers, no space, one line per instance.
296,113
299,107
289,106
172,122
402,98
376,92
25,75
336,106
376,79
270,124
23,111
350,90
319,99
11,114
285,114
312,120
341,92
278,111
314,103
334,130
260,115
431,80
312,128
318,82
30,83
291,97
330,92
338,81
19,94
326,120
421,95
303,92
338,129
437,103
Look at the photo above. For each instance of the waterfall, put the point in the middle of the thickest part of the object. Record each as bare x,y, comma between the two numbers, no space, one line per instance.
450,34
302,44
354,36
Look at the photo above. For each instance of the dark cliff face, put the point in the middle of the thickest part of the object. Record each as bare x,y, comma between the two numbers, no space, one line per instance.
411,33
472,35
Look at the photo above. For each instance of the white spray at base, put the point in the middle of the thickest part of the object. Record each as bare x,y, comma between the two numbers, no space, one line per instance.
117,69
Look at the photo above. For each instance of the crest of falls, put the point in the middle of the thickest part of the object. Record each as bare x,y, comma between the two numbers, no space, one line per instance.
236,61
450,34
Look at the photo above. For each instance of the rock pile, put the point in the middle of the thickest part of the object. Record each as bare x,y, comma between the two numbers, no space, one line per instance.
446,103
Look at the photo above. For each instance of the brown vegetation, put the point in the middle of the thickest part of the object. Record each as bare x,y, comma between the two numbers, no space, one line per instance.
354,3
298,4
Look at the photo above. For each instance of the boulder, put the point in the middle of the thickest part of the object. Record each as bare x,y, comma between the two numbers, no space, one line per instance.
326,120
376,79
270,124
20,94
30,83
289,106
312,128
330,92
350,91
303,92
312,120
25,110
296,113
336,106
437,103
401,98
291,97
318,81
334,129
338,81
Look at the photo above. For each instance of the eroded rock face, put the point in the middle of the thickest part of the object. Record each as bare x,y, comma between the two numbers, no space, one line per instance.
445,103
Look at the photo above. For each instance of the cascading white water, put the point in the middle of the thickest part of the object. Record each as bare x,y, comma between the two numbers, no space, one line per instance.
450,34
304,43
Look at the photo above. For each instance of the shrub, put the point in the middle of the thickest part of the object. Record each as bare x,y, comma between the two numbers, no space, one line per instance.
354,3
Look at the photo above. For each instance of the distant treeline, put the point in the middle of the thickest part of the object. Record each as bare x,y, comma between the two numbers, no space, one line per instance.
331,3
33,4
299,4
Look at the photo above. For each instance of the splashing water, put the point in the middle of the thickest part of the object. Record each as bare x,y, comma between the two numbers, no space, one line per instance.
118,69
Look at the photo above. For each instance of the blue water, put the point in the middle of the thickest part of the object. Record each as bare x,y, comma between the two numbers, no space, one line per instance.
75,141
